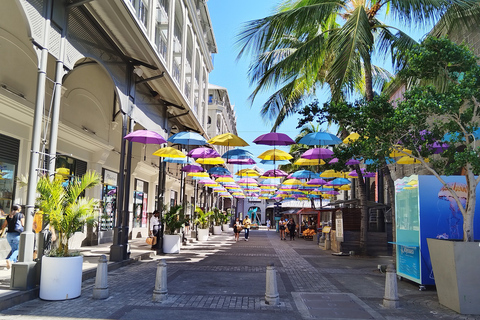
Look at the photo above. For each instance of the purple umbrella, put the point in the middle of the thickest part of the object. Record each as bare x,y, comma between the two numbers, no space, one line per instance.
334,160
332,192
203,152
316,182
241,161
192,168
352,162
274,139
274,173
317,153
145,137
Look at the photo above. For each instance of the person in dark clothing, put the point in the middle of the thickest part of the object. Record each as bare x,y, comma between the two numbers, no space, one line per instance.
291,225
14,223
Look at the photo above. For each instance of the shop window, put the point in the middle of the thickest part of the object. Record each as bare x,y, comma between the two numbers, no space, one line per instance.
8,170
109,200
140,201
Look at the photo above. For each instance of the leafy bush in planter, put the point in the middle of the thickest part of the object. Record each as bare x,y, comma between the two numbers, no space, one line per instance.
65,208
202,219
172,219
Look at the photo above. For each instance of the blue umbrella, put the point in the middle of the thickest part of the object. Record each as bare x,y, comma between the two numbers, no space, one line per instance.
219,171
188,138
237,154
321,138
339,182
277,162
177,160
305,174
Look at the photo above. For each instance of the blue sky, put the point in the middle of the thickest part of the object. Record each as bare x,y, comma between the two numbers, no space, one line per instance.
227,19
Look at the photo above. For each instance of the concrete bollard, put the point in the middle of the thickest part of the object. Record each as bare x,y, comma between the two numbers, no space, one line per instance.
100,291
160,292
390,300
271,292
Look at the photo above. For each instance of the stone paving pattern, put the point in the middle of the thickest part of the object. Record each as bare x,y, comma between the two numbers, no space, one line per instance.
224,279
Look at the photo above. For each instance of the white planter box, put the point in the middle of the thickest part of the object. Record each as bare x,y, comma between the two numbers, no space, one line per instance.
171,243
217,229
202,234
61,278
455,267
225,227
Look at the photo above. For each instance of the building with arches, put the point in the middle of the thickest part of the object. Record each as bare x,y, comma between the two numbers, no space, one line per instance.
76,77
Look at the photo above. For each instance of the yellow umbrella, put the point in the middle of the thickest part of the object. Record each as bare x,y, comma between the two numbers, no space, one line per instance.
224,179
344,187
309,162
199,174
292,182
399,153
275,154
216,160
169,152
410,160
351,138
248,173
228,139
333,174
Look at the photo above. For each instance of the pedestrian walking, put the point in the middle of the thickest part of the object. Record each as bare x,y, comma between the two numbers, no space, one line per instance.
14,223
237,228
154,228
268,224
291,225
246,225
282,226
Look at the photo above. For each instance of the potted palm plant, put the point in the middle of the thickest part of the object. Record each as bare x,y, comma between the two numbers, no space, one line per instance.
226,220
173,222
217,218
66,210
203,222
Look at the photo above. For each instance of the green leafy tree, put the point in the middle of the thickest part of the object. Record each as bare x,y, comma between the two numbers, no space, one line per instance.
65,208
203,218
307,44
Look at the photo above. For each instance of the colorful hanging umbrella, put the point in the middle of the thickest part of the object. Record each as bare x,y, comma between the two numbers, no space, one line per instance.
169,152
216,160
351,138
304,174
248,161
192,168
229,140
398,151
410,160
275,154
274,139
145,136
224,179
333,174
203,152
176,160
339,182
292,182
219,171
199,174
276,162
237,154
320,139
316,182
247,173
188,138
352,162
274,173
317,153
247,181
309,162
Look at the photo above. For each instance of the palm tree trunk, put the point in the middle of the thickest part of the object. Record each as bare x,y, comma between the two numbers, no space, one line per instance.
391,195
368,79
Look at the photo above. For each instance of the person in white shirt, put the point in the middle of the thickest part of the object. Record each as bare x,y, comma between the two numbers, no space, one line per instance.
155,227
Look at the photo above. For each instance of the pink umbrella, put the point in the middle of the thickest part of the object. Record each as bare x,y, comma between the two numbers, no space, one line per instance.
334,160
203,152
317,153
248,180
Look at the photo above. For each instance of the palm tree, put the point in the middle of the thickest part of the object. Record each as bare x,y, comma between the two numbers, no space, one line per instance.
307,44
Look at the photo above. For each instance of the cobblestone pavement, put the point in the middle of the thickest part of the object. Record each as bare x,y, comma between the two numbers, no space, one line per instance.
224,279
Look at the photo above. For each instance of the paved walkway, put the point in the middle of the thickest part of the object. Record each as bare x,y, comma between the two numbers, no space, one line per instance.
224,279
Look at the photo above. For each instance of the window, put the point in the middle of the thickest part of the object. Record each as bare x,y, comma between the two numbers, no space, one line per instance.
141,10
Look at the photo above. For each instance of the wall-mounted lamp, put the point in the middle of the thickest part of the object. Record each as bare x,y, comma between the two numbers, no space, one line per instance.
138,71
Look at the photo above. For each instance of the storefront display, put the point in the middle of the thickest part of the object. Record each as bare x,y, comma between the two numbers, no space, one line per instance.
140,200
7,184
109,200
